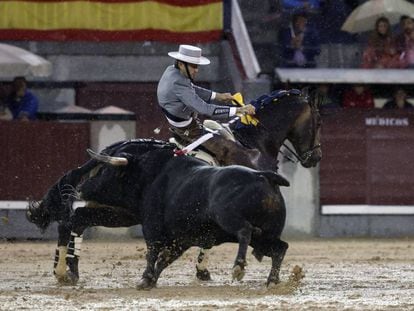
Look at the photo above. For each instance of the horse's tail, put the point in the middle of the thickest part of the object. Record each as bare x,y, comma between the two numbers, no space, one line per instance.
56,205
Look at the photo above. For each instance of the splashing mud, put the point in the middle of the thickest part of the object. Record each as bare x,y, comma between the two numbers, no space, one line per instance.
340,275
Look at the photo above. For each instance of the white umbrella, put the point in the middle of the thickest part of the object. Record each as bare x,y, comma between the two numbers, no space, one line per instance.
15,61
364,16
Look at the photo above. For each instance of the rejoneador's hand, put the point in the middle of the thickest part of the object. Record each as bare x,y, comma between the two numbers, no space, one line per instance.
248,109
224,97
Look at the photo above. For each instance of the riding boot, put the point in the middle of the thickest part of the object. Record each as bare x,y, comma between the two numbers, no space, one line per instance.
186,135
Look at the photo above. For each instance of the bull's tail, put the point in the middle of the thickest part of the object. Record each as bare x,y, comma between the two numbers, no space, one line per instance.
274,178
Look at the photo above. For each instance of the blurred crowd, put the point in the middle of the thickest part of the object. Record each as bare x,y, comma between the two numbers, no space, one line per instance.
359,96
304,25
389,49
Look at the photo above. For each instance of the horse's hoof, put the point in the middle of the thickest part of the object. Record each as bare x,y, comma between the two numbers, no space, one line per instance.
238,273
203,275
146,284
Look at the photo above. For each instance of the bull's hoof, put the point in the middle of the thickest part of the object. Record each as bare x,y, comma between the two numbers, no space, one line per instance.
272,282
258,255
146,284
238,273
203,275
68,279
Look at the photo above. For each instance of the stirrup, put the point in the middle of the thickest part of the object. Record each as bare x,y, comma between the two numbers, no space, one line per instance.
223,130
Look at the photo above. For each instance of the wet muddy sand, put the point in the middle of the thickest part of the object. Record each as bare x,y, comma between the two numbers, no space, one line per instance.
317,274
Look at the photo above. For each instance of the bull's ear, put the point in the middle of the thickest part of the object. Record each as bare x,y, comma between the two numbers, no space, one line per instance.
115,161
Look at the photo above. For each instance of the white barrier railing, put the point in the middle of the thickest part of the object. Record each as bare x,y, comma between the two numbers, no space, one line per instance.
22,205
244,45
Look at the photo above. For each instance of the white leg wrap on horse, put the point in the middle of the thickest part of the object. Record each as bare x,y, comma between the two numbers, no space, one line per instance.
60,268
75,245
203,259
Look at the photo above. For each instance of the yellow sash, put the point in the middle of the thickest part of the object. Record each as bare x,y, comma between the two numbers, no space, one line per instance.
246,118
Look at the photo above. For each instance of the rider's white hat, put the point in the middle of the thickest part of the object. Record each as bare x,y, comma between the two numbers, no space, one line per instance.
190,54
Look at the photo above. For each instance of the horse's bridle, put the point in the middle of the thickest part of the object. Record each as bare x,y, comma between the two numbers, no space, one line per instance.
305,156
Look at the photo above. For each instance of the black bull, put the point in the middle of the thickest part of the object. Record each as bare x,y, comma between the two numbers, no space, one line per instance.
185,202
181,202
192,204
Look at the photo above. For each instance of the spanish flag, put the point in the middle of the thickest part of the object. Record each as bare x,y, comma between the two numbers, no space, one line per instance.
191,21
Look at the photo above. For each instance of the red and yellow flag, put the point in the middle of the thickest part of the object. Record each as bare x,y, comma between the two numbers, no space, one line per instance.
112,20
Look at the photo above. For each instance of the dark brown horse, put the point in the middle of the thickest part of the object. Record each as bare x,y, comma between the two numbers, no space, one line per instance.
283,115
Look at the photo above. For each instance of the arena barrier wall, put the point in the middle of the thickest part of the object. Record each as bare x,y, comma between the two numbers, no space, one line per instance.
366,174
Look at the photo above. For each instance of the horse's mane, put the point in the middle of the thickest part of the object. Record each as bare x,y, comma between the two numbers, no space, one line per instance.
276,113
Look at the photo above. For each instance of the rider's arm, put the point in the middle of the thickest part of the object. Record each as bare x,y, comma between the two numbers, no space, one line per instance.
189,96
208,95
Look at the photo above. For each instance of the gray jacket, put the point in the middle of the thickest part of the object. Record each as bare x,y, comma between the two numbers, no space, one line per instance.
182,99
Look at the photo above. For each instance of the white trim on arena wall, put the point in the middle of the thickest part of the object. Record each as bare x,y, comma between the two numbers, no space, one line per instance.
356,209
22,205
339,209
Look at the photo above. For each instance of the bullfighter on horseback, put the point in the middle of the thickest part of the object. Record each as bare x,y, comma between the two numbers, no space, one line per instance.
182,101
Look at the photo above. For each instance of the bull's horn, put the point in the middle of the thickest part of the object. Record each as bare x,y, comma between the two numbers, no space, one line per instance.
116,161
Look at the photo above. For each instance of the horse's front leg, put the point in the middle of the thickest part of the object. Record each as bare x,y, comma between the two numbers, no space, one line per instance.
278,254
202,261
85,217
72,257
59,265
244,236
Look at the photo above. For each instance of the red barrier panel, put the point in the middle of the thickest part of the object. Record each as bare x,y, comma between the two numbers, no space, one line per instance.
367,158
35,154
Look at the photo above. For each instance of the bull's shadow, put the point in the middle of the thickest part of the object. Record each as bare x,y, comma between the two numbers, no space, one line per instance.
116,202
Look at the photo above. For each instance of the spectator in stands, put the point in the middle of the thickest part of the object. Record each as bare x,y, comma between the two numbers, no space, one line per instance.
403,27
405,41
299,43
324,98
381,51
358,96
399,100
21,102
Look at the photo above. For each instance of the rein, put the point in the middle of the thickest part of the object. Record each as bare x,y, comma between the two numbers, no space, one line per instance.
301,158
275,96
307,154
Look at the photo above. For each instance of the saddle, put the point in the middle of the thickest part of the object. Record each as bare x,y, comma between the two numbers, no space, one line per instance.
197,153
200,152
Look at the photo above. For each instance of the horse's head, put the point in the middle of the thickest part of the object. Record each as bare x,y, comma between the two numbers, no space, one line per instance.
56,205
305,132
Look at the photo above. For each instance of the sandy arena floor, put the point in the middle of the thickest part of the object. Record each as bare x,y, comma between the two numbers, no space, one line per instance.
341,274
